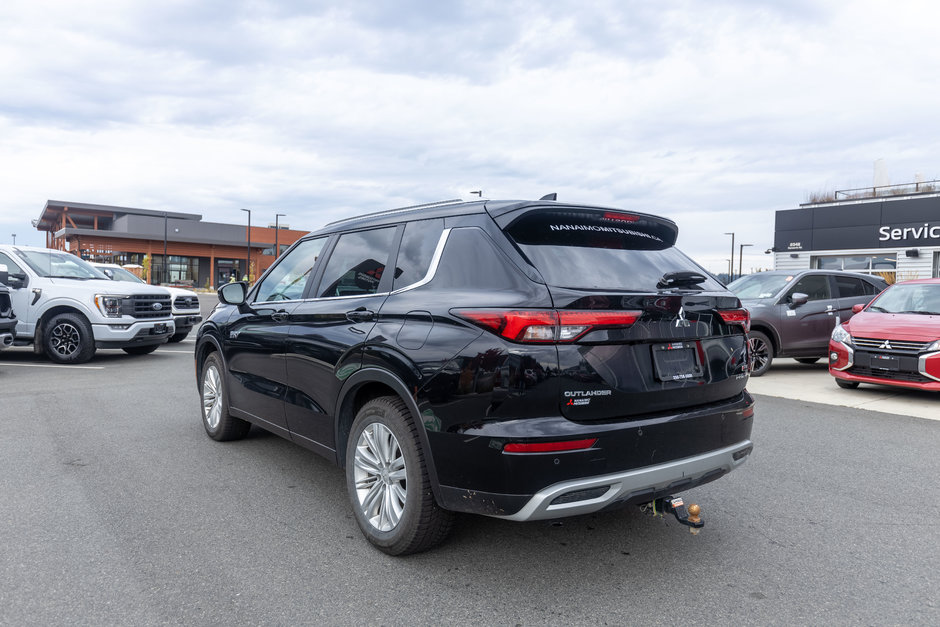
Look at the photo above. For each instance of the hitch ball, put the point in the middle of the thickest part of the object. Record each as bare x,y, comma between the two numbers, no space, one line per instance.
694,511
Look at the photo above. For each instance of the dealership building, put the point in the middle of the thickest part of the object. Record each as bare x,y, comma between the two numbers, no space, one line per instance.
890,231
169,247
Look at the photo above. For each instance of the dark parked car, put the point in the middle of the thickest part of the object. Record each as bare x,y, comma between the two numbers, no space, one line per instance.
793,313
524,360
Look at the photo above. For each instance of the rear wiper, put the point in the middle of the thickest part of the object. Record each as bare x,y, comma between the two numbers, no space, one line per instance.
680,279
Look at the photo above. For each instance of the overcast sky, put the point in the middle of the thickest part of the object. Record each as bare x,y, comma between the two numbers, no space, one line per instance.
714,114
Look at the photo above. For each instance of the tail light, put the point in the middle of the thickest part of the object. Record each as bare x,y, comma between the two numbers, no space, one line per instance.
546,325
740,317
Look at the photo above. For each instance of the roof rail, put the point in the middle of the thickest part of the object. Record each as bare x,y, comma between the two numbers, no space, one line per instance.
439,203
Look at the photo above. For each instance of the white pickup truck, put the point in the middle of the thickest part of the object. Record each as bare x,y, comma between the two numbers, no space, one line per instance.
67,309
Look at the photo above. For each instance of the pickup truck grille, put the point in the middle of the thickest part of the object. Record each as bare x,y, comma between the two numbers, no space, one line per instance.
897,345
147,306
6,307
186,302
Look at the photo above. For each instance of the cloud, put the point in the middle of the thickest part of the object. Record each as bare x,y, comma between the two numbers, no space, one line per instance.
713,115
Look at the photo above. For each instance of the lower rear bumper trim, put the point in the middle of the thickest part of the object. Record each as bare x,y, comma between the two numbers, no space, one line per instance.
624,486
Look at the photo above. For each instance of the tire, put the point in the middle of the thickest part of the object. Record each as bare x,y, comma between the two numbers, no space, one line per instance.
846,385
140,350
806,360
218,423
387,481
762,352
179,336
68,339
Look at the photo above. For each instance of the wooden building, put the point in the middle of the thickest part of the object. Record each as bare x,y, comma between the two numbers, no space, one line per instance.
173,248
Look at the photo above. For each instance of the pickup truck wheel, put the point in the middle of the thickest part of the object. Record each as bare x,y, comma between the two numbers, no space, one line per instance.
387,481
218,423
140,350
762,352
807,360
179,336
846,385
68,339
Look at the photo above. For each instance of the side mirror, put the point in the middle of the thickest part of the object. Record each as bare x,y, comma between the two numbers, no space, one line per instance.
857,308
108,272
234,293
16,280
798,298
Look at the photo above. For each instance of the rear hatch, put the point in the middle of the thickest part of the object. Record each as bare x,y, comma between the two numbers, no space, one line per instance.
640,327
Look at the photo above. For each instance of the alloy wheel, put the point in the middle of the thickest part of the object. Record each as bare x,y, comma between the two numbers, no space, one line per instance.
65,339
760,353
212,396
380,477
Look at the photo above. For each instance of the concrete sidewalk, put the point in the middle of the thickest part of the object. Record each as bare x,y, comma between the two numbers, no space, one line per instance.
788,379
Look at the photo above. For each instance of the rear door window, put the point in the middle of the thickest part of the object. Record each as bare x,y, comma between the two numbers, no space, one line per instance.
417,249
601,250
356,265
850,287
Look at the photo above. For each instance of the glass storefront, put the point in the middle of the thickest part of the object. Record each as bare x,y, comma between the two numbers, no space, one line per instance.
884,265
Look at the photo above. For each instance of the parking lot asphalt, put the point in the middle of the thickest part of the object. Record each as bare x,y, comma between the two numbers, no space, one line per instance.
789,379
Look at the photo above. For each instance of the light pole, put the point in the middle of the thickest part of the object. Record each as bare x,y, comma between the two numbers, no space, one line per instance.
277,250
165,264
248,249
731,271
14,239
741,256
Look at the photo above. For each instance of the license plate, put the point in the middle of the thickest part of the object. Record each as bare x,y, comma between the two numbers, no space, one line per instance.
159,329
676,361
884,362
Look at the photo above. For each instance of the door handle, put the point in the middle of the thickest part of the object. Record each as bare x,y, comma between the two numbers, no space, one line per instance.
360,314
280,316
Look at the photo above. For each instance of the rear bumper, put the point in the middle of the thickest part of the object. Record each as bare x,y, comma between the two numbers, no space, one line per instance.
634,460
584,496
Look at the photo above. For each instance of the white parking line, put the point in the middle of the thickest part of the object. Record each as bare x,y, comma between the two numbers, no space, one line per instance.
181,352
8,363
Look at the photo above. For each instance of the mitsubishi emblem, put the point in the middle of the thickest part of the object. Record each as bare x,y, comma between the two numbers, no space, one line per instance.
681,320
886,345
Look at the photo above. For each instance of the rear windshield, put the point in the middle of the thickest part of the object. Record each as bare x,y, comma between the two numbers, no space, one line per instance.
602,251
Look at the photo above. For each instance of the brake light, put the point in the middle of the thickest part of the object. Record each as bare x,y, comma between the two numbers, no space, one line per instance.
546,325
549,447
740,317
623,217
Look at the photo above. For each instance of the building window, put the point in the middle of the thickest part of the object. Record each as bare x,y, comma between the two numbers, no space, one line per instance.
884,265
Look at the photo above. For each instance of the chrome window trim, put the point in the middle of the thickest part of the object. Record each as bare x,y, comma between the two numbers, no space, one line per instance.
432,269
429,275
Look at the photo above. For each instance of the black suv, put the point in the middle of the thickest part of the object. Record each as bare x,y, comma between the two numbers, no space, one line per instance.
524,359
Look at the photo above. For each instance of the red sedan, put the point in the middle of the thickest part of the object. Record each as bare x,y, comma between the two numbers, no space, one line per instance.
894,340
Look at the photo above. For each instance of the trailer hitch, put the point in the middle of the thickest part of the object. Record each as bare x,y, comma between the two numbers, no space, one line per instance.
689,516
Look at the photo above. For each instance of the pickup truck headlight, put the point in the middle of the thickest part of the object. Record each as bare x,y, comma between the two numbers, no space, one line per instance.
109,306
933,347
839,334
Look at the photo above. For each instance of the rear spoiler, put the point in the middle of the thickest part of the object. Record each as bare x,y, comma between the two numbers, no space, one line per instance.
663,230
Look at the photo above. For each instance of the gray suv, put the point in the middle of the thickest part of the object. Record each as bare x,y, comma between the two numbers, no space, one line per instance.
793,313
